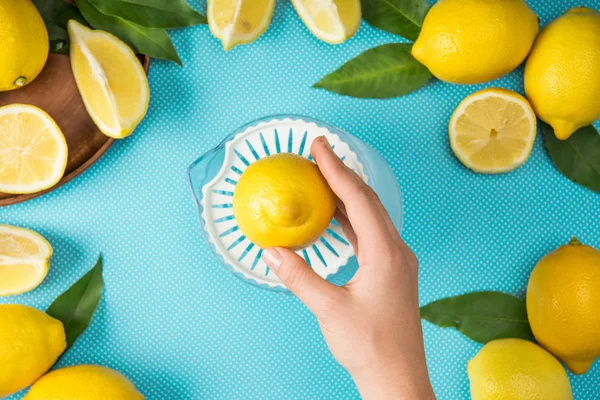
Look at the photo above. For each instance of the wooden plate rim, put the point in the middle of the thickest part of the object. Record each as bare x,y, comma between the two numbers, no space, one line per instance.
67,178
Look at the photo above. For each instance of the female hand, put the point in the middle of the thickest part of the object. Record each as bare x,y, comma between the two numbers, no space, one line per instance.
371,325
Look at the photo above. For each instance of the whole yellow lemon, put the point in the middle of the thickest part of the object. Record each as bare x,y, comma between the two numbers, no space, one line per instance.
30,343
474,41
83,382
562,73
283,200
515,369
563,300
24,43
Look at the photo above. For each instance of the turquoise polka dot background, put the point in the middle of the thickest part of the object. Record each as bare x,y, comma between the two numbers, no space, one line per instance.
181,327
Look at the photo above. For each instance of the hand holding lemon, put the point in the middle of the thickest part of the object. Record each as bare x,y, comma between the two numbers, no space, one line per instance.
24,260
363,321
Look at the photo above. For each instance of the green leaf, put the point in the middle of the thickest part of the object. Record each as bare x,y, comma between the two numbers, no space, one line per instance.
56,13
153,42
578,157
400,17
152,13
75,307
481,316
385,71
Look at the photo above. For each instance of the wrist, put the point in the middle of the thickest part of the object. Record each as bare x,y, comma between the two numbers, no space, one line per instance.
396,381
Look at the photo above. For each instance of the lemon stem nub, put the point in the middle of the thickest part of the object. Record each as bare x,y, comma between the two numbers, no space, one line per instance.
21,81
574,242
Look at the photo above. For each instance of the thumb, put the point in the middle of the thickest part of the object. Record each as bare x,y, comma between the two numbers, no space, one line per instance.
301,279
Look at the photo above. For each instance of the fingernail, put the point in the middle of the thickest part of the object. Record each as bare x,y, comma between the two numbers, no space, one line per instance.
325,141
272,258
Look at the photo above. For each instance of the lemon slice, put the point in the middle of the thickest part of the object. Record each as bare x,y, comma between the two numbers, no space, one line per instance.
33,150
110,79
24,260
332,21
239,21
493,131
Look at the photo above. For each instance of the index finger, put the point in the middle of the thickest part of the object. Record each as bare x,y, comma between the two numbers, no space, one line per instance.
362,204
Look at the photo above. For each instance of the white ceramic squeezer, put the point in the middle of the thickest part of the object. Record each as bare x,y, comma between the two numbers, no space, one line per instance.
213,178
326,255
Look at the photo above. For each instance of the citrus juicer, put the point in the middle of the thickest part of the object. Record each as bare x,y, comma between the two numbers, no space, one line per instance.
214,175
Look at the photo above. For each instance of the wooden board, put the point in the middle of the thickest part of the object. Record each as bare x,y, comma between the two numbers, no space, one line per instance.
55,91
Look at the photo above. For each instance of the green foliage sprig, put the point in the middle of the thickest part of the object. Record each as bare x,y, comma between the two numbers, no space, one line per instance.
481,316
76,307
578,157
388,70
142,24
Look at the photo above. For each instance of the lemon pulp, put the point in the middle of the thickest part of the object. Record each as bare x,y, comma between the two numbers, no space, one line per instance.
239,21
33,150
332,21
110,79
493,131
24,260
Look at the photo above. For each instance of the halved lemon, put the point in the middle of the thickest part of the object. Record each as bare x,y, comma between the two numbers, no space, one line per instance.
332,21
239,21
33,150
24,260
493,131
110,79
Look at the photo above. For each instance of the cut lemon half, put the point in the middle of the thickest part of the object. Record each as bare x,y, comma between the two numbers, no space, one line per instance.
24,260
332,21
239,21
493,131
110,79
33,150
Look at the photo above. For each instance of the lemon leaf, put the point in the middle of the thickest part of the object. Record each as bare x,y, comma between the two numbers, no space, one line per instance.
400,17
152,13
56,14
382,72
481,316
75,307
578,157
153,42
